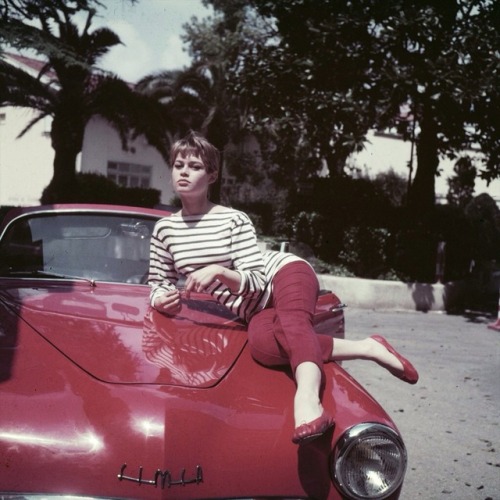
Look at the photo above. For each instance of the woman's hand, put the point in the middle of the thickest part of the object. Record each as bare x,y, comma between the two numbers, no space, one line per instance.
201,279
169,302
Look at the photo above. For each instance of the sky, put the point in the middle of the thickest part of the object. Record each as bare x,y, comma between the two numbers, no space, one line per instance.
150,32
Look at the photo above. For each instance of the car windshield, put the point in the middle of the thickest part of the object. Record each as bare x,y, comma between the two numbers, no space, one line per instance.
109,247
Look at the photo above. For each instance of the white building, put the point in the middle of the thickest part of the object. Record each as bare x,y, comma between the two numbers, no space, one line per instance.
26,163
140,166
386,151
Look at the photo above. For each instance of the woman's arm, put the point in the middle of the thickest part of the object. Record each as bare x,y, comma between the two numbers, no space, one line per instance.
202,278
164,296
247,276
248,260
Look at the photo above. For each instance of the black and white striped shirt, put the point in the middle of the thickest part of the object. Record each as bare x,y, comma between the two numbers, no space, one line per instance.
182,244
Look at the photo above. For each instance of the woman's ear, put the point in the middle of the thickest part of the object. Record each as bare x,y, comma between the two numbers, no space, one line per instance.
213,177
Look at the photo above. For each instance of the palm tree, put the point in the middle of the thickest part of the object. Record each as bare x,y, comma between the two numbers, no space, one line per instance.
69,88
196,99
202,97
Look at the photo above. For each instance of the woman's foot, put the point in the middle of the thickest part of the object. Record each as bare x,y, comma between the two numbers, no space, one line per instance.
307,432
385,355
311,420
306,407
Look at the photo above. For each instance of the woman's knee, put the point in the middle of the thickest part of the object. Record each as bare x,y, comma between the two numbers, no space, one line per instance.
262,341
268,358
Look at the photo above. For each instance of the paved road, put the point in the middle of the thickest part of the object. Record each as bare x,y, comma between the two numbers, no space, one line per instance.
450,420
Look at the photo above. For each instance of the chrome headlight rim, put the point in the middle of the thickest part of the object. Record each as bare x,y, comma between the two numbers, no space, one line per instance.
351,439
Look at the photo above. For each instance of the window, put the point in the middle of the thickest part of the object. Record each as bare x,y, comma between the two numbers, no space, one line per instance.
129,174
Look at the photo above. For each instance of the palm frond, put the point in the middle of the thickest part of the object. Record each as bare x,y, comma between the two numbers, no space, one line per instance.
18,88
127,110
160,86
32,123
99,42
18,36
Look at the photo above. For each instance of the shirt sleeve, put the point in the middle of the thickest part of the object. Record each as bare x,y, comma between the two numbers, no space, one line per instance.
162,273
248,260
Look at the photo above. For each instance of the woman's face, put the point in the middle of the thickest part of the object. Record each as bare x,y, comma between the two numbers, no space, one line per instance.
190,177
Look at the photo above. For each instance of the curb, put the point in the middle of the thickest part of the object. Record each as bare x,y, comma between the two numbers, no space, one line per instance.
395,295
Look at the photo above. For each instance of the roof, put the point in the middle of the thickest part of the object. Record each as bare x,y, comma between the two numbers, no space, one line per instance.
35,66
30,65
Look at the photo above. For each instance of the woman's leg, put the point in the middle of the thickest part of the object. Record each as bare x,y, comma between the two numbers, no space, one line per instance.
375,348
284,334
295,294
369,349
267,351
306,403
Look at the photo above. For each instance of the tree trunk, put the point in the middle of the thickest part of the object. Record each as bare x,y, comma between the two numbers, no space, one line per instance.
336,160
67,139
216,188
422,197
216,135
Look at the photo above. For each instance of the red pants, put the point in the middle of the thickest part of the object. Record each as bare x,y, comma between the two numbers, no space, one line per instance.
283,334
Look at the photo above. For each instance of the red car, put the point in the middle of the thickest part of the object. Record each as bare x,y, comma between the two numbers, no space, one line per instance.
102,397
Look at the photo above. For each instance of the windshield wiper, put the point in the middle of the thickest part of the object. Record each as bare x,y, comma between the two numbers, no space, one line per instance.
48,274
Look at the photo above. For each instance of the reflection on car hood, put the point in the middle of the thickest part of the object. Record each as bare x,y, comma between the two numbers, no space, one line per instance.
111,332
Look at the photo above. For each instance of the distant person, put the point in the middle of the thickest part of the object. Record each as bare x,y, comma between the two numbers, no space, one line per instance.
215,249
496,324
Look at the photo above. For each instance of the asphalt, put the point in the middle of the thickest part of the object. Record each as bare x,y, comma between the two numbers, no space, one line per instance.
450,420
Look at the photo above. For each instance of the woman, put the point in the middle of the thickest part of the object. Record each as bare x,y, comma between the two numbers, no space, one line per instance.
215,249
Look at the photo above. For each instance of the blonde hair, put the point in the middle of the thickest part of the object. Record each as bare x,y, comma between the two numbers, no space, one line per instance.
195,144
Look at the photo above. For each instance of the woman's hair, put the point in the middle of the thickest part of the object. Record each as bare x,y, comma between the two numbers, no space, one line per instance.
196,144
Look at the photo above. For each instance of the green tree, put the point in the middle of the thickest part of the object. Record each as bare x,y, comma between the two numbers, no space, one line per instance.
299,82
217,45
461,186
196,100
69,88
334,69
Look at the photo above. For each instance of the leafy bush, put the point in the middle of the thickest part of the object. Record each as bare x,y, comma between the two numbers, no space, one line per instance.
96,188
365,251
307,227
362,227
138,197
483,216
3,211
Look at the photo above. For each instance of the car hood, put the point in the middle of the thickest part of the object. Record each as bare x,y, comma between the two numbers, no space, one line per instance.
110,331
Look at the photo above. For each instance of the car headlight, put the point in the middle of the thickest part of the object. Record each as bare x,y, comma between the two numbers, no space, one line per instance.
369,461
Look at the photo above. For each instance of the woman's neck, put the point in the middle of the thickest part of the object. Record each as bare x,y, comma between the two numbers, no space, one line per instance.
196,207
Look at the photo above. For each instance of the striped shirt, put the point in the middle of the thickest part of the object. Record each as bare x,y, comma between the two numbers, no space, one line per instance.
182,244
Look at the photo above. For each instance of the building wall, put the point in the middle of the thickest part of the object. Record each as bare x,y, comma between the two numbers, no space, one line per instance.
102,144
26,163
385,152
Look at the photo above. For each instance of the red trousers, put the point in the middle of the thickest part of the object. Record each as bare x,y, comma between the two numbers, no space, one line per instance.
283,334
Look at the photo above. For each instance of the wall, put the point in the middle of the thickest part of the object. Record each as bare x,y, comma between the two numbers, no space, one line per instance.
102,144
383,153
26,162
